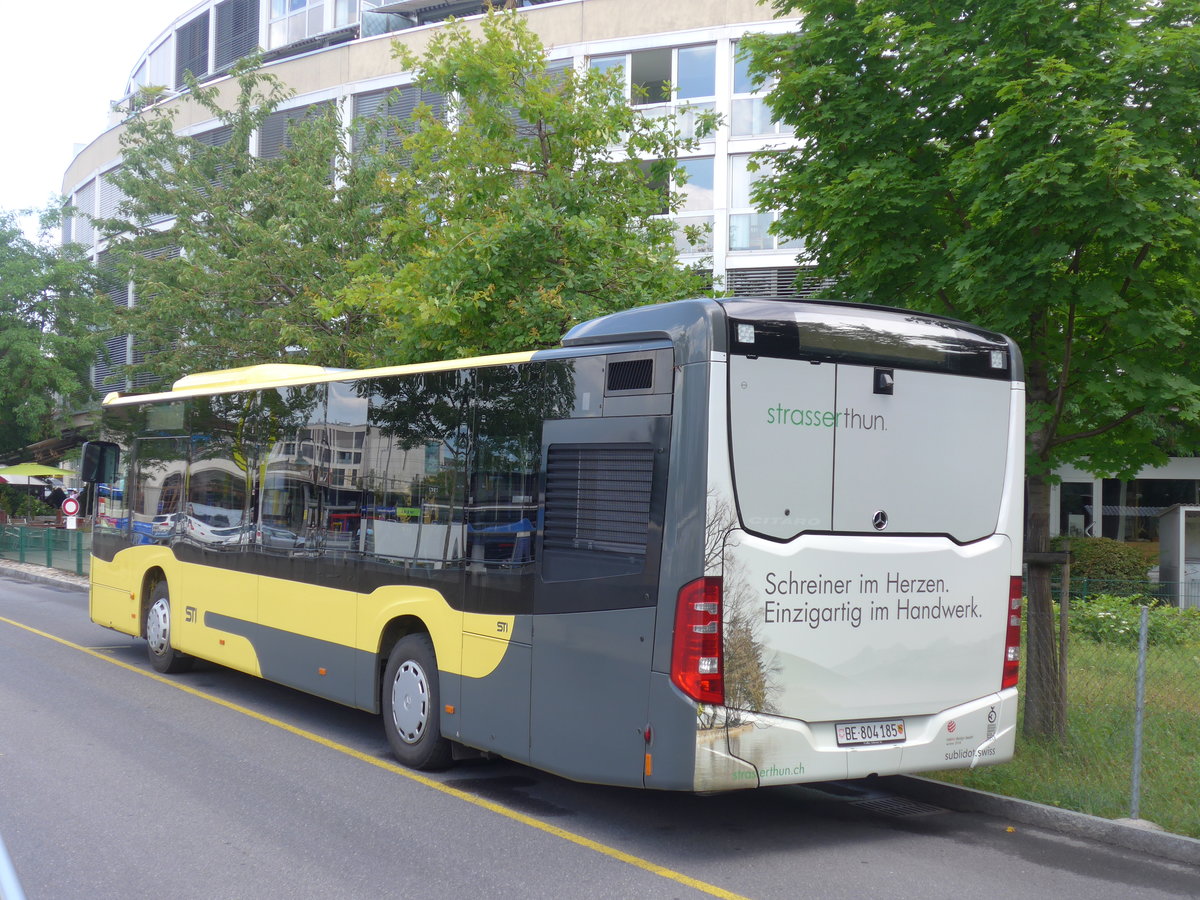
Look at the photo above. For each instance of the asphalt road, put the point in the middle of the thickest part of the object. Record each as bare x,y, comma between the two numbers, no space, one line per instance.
116,782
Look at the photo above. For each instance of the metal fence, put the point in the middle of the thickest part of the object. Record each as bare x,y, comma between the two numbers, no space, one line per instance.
1133,715
1131,747
56,548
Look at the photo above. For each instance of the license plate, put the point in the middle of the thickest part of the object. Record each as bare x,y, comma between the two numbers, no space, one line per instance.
851,734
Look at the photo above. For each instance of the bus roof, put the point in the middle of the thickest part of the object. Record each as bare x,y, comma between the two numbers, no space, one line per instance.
675,321
272,375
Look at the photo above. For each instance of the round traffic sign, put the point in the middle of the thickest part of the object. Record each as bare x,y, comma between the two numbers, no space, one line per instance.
70,507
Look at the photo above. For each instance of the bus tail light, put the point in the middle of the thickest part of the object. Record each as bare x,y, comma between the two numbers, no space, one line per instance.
697,660
1012,638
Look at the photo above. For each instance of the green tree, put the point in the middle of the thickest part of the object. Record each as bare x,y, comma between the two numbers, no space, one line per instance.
255,245
522,211
1028,165
49,312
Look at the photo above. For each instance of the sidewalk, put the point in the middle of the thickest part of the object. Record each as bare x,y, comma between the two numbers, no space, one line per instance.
1130,834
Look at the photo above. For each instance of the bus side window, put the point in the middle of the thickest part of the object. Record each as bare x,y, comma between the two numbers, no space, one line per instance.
502,502
216,514
414,462
157,490
295,460
346,424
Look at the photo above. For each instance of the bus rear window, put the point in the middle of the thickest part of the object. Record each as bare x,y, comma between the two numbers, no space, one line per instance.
916,341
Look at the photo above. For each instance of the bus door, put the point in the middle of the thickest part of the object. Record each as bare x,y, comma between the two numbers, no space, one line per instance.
595,597
219,596
307,602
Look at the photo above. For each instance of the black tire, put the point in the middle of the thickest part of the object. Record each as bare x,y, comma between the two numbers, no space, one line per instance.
163,657
412,705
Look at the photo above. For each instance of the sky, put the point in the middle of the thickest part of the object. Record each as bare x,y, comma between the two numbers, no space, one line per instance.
61,64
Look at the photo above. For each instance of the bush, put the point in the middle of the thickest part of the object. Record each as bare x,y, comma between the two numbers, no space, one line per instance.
1115,620
16,502
1103,559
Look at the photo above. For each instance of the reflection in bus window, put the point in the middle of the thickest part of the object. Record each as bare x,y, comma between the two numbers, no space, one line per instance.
112,515
505,455
110,503
157,499
346,427
415,460
296,455
216,508
217,511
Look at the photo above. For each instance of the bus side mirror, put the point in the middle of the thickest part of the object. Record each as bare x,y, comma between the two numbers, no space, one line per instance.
99,465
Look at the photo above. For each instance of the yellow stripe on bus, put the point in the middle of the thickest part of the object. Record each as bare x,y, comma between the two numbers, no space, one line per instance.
612,852
303,609
253,378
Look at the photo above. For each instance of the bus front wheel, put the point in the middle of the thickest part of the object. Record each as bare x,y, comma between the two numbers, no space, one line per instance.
412,705
163,657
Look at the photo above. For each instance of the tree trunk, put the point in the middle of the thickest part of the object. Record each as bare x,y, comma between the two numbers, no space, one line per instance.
1045,700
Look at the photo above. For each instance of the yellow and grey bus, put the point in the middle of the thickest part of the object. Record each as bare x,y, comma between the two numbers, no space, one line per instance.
701,545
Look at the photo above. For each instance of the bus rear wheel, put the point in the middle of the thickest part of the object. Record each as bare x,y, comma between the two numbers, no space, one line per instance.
163,657
412,705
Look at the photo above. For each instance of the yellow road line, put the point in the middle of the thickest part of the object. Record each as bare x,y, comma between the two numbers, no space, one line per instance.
612,852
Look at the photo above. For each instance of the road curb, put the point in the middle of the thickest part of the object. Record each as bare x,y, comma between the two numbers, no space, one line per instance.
1141,837
35,574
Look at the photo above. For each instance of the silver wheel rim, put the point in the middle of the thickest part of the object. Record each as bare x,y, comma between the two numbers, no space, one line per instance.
158,626
410,701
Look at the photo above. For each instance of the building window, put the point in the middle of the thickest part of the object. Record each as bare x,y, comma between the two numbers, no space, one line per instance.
274,137
347,12
667,81
397,104
108,372
110,196
695,193
650,77
659,183
139,79
155,70
1130,509
751,116
1075,509
696,210
695,72
191,49
295,20
237,31
608,63
748,226
85,208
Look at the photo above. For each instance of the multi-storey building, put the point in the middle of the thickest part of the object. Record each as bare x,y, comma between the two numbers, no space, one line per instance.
339,51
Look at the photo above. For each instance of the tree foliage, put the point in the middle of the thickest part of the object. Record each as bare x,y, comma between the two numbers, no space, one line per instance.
521,211
1028,165
255,246
49,313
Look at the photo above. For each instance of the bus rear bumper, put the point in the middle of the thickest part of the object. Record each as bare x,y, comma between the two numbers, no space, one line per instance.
756,750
